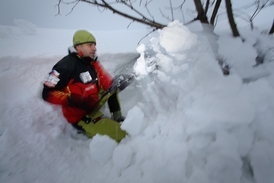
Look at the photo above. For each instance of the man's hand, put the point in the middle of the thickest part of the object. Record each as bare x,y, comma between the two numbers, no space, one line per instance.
122,81
119,83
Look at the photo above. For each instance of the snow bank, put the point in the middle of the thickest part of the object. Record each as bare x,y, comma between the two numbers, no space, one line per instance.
25,26
210,105
130,125
101,148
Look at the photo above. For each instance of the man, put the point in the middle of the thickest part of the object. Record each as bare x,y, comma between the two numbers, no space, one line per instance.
78,83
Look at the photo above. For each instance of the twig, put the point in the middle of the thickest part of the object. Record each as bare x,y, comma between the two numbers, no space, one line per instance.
73,8
171,9
163,15
58,7
146,6
146,35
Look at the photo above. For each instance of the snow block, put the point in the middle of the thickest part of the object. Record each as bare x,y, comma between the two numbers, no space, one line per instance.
101,148
262,162
172,41
122,156
134,121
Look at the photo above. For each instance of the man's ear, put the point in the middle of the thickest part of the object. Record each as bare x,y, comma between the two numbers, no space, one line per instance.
77,48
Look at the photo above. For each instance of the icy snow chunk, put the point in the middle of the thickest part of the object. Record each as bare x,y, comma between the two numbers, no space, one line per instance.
215,112
223,168
134,121
176,38
25,26
198,176
122,156
169,161
224,159
262,162
265,126
132,174
101,148
235,110
207,73
198,143
245,138
225,143
140,68
262,94
228,86
142,149
165,63
172,170
141,49
163,77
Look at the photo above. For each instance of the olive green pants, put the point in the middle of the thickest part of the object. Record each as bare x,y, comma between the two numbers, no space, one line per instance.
104,126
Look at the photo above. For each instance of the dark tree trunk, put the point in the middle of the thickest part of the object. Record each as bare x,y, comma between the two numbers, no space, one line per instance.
231,18
272,28
201,13
215,11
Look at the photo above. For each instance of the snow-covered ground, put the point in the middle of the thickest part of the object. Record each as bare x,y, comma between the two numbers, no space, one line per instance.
186,121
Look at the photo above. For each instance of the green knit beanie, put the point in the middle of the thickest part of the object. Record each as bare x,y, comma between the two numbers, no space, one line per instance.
82,37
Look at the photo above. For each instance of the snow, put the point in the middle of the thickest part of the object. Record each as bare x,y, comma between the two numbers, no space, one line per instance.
101,149
122,156
26,27
130,125
186,121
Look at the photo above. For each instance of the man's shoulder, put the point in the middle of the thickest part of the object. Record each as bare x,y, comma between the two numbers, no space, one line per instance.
67,62
70,58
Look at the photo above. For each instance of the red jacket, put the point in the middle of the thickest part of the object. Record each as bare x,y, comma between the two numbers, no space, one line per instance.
74,74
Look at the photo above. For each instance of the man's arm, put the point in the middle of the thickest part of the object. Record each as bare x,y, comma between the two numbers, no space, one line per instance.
105,79
55,88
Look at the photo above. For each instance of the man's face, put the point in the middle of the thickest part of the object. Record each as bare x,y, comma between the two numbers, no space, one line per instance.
88,49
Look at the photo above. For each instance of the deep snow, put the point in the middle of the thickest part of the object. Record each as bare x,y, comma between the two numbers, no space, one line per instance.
187,122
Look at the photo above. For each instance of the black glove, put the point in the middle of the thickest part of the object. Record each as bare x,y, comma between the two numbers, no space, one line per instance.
121,81
117,116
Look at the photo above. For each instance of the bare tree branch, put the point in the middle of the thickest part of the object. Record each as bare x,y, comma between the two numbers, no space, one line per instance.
272,28
144,20
180,6
191,21
166,17
58,6
171,9
72,8
131,7
146,6
146,35
258,9
147,9
128,3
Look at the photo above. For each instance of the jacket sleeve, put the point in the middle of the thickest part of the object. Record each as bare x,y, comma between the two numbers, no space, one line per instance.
105,79
55,85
